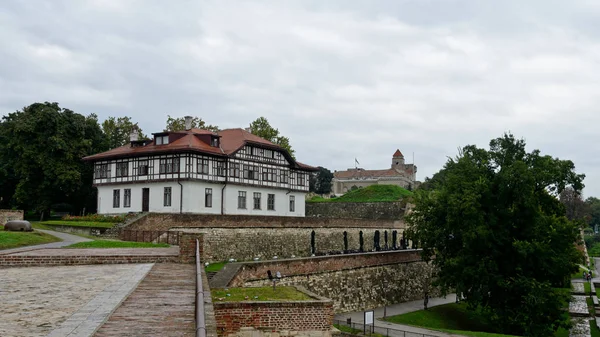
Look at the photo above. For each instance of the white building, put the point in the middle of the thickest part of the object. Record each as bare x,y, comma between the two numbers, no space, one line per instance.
199,171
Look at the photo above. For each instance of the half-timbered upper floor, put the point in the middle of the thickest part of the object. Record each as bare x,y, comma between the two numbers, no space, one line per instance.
233,155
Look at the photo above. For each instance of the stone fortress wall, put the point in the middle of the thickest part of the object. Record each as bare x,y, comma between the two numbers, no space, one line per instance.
10,214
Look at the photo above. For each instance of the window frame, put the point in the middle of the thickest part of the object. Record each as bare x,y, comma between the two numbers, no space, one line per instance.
116,198
167,197
270,202
168,165
127,198
242,200
257,196
201,165
292,203
122,169
208,197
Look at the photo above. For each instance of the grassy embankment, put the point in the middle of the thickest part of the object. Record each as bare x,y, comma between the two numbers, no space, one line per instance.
281,293
374,193
95,224
19,239
454,318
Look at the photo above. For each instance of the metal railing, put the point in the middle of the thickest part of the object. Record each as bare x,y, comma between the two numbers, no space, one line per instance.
373,330
168,237
200,323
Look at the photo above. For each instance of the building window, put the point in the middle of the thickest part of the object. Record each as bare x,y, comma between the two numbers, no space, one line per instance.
242,199
127,197
208,197
219,169
301,179
269,154
256,200
269,174
284,177
122,169
161,140
167,197
169,165
202,166
116,198
234,170
292,203
101,171
251,172
214,142
271,202
292,178
143,168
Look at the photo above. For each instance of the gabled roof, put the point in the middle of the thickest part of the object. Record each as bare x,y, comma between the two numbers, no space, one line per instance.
231,140
398,153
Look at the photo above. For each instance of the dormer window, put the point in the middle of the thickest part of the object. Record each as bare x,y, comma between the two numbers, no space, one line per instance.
161,140
214,142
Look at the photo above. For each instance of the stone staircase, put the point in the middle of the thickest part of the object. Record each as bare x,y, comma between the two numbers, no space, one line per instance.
115,231
222,278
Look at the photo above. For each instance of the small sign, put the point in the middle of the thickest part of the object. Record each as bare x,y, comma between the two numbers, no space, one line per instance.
369,317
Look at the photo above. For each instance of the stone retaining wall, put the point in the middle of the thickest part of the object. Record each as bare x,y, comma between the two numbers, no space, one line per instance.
44,261
245,244
292,317
257,270
357,210
10,214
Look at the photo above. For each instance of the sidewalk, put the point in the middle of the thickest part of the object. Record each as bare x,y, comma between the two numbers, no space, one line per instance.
398,309
68,239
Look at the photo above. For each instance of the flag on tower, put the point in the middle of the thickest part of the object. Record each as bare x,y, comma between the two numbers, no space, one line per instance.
356,161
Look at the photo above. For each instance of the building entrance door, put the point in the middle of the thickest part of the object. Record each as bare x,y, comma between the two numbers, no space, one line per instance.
145,199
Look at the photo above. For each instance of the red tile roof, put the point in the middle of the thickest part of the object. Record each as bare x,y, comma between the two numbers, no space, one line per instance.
189,141
398,153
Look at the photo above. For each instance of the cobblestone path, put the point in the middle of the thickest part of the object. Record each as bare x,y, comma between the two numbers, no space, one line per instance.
35,301
162,305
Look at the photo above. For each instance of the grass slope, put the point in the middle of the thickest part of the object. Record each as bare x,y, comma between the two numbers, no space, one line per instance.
214,267
94,224
374,193
453,318
281,293
20,239
117,244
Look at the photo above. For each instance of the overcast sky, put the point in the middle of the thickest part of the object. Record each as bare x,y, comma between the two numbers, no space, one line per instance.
342,79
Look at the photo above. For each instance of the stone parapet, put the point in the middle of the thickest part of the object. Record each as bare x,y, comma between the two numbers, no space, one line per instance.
45,261
393,210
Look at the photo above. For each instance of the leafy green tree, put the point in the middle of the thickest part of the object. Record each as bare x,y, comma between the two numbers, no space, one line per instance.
593,205
178,124
263,129
41,157
117,131
492,224
320,182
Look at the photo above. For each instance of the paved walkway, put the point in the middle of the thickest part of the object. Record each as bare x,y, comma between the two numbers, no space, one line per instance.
67,240
162,305
168,251
398,309
64,300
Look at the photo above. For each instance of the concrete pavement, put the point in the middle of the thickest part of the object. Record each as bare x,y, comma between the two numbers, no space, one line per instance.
67,240
398,309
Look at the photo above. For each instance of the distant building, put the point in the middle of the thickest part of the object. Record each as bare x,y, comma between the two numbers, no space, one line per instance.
199,171
401,174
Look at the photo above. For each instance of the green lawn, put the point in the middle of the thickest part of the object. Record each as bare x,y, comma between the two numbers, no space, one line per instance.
453,318
587,287
214,267
374,193
117,244
20,239
95,224
281,293
594,329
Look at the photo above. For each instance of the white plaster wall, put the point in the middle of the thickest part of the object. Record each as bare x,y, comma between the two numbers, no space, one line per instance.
105,198
194,197
282,206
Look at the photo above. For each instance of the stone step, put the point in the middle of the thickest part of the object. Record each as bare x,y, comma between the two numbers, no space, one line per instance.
210,275
225,275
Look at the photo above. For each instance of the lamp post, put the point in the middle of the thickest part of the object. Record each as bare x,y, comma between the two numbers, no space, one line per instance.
385,300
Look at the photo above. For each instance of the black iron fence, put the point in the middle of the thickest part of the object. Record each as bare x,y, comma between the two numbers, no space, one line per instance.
169,237
375,331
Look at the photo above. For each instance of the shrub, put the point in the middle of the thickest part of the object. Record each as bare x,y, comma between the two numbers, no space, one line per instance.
95,218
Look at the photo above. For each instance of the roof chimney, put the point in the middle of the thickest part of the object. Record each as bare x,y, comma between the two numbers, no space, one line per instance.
133,135
188,122
248,130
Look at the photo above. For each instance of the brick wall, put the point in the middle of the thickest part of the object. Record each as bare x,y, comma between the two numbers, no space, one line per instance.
257,270
187,247
296,316
357,210
34,261
9,214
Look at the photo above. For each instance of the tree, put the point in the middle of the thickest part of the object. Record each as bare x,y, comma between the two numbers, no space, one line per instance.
117,131
178,124
263,129
575,207
593,205
493,227
41,157
320,182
